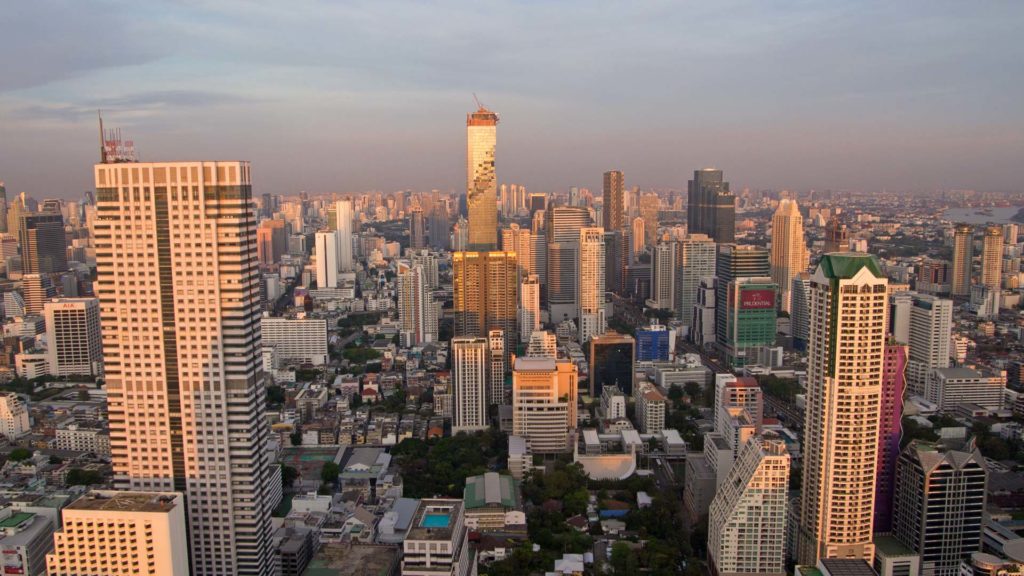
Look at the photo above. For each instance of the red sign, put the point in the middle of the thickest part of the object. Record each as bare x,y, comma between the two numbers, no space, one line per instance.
757,299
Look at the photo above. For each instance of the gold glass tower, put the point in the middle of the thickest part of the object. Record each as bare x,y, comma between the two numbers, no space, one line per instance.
789,249
962,255
481,182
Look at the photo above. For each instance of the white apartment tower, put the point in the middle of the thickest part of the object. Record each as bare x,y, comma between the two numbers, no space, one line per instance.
343,214
14,420
747,518
520,241
470,363
789,248
178,283
695,258
73,336
543,344
529,307
328,270
122,534
930,329
416,312
848,309
591,287
663,276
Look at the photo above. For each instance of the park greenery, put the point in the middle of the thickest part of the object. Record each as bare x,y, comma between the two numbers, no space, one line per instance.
440,467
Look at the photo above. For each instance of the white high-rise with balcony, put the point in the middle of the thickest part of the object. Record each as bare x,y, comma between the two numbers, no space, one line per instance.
178,283
789,248
529,307
470,365
591,287
848,309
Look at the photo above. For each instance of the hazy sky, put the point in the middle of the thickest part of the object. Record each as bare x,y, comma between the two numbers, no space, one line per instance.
350,96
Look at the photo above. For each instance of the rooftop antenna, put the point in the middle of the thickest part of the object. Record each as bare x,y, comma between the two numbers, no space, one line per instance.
103,144
478,103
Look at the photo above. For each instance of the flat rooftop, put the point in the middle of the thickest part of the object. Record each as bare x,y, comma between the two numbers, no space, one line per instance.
428,523
126,502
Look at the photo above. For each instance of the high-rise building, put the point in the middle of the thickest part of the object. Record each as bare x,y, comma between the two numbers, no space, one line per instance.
616,259
122,534
440,225
591,287
695,258
992,259
611,363
562,226
844,388
520,241
711,207
529,307
837,237
649,205
652,343
747,518
486,294
181,347
928,335
750,318
940,500
799,315
544,398
73,336
416,310
637,240
296,340
703,330
470,358
437,541
933,277
417,228
328,268
496,364
37,290
14,420
481,181
543,344
614,205
735,261
789,248
963,256
889,432
663,276
3,208
271,242
43,243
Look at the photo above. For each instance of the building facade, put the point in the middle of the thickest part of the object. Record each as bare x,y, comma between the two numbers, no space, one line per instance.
73,336
470,368
789,249
481,181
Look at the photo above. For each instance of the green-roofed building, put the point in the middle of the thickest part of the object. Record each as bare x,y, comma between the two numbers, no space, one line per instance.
493,503
847,310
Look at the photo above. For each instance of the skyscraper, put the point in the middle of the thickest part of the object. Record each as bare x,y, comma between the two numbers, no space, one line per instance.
889,432
440,226
750,318
711,207
611,362
837,237
931,326
37,289
562,226
271,242
992,259
637,240
648,208
591,287
844,388
344,214
417,228
486,294
940,500
616,258
327,263
696,256
614,204
469,384
520,241
181,345
43,243
496,363
789,248
747,519
799,315
663,276
481,182
416,310
73,336
735,261
529,307
963,255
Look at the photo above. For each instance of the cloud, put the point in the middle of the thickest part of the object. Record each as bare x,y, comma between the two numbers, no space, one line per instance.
129,106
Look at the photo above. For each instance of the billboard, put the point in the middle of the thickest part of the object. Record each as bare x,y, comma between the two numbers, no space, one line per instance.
757,299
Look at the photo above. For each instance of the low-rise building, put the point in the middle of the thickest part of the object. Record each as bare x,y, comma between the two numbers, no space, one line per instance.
437,544
492,502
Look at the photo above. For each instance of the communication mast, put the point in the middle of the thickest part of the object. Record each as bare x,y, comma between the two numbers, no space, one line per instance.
114,149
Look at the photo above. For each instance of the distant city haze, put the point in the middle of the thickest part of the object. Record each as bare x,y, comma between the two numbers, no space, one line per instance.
331,97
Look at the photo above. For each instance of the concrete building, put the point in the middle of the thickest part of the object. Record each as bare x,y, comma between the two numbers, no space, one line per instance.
750,319
844,388
37,290
83,437
614,205
939,503
963,256
747,518
73,336
496,368
43,243
544,399
437,542
789,255
562,225
890,430
529,307
992,259
297,340
520,241
14,420
486,295
492,503
712,207
930,328
695,258
344,215
591,289
470,360
651,406
182,351
481,181
663,276
543,344
417,312
25,539
611,362
652,343
122,534
951,387
733,262
328,263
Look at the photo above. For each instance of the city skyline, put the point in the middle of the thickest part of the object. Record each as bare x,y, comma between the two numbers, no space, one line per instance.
335,112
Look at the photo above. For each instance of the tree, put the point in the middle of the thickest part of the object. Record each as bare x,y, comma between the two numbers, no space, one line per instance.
329,473
83,396
79,477
695,391
296,437
288,476
624,560
275,395
20,454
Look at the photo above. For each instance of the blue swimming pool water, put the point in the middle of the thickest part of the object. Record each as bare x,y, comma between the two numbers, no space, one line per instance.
435,521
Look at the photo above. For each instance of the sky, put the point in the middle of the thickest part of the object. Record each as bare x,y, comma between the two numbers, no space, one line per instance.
339,96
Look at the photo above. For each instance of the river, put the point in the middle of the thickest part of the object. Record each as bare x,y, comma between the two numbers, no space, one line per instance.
971,216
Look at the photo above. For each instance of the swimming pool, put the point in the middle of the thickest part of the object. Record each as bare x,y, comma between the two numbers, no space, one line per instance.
435,521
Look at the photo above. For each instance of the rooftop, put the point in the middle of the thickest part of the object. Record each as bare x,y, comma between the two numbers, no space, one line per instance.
847,567
126,501
846,265
491,489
